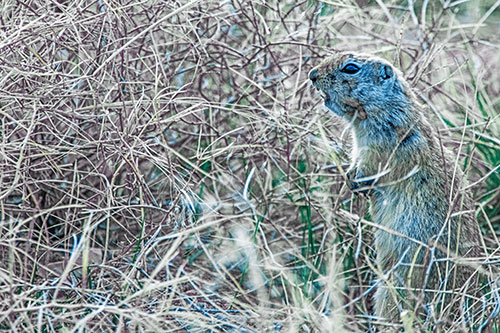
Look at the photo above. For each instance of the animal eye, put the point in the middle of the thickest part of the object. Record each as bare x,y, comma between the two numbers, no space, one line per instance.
350,69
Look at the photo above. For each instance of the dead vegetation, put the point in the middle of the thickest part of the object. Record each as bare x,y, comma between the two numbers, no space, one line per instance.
166,166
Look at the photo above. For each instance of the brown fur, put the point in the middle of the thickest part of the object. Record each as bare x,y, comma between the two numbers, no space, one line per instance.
416,189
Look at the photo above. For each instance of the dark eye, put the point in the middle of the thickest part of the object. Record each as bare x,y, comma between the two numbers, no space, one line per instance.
350,69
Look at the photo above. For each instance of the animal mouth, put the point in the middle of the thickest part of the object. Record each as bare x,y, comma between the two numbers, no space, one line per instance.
351,107
323,94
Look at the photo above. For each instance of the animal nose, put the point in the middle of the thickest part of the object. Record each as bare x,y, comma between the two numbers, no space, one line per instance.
313,75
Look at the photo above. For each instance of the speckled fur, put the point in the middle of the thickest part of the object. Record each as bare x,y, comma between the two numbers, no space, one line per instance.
393,138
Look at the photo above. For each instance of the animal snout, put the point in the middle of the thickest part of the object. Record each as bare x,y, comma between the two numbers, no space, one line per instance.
313,75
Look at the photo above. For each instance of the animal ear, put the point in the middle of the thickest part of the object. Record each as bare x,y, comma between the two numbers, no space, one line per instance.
386,72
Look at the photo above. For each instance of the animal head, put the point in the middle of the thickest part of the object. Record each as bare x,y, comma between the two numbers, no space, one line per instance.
359,86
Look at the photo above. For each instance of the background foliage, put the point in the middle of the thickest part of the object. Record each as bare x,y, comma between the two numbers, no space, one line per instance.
166,166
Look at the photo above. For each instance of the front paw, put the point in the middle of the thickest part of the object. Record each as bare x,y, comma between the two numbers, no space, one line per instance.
358,183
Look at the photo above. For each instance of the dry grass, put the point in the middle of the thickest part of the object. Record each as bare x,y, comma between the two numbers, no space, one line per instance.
166,167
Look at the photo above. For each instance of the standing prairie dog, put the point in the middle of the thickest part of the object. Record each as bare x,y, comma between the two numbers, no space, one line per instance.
417,193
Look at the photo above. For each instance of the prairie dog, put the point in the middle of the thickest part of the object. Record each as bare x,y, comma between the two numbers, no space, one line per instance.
417,193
